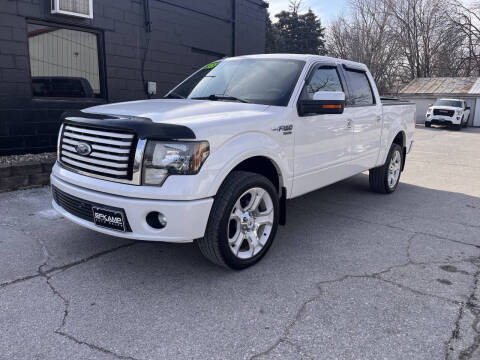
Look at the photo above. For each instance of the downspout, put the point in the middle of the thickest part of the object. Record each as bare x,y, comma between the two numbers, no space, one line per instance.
146,8
148,30
234,19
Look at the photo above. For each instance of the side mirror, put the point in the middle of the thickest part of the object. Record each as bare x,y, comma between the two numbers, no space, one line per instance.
323,102
467,108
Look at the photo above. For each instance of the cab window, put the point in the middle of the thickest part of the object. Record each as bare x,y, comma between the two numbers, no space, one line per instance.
361,93
323,79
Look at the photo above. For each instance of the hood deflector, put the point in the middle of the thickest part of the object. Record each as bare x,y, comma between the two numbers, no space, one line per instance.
144,127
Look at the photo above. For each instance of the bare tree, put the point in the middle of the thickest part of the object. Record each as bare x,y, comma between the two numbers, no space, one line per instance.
420,26
400,40
466,20
295,6
367,36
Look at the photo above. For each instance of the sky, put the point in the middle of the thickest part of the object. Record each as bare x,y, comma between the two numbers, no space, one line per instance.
326,9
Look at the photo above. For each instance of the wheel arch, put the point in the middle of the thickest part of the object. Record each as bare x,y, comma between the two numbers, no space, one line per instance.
401,139
263,165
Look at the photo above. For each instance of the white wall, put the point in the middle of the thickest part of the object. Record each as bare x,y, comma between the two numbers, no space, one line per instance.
476,116
422,106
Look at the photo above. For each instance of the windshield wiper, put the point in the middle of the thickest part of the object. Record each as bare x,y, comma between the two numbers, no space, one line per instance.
214,97
174,95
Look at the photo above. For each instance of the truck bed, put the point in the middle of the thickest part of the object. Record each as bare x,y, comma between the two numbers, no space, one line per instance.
390,101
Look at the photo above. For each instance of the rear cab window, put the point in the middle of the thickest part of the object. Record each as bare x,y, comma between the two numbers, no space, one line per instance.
360,89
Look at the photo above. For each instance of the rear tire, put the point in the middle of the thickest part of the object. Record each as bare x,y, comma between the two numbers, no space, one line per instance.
428,124
243,221
384,179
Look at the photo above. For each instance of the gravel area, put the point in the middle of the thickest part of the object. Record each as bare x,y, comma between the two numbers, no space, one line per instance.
17,159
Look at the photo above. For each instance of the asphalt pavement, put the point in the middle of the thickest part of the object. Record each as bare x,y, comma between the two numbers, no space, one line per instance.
353,275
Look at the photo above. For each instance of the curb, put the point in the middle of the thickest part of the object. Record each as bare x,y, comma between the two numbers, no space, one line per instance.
25,174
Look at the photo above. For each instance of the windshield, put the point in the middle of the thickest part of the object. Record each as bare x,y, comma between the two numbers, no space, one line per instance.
258,81
452,103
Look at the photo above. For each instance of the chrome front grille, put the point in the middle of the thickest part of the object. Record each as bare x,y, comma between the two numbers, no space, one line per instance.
109,154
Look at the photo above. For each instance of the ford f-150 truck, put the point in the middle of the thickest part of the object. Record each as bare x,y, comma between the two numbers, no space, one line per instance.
215,160
451,112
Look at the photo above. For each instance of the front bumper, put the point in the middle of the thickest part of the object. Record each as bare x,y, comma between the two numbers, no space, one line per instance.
443,120
186,220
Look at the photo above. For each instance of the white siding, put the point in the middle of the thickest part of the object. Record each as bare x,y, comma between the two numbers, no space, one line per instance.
476,115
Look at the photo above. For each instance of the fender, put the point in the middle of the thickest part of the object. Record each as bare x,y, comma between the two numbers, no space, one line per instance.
243,147
391,128
388,144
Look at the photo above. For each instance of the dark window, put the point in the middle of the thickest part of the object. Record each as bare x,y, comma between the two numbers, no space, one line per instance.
63,62
360,89
323,79
451,103
258,81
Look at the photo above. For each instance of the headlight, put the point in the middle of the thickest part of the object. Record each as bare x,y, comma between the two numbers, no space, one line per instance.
172,158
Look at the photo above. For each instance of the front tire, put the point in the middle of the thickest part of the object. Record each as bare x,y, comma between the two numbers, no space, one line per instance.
384,179
428,124
457,127
243,221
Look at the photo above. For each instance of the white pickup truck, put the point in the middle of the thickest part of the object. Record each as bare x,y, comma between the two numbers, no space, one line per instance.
451,112
215,161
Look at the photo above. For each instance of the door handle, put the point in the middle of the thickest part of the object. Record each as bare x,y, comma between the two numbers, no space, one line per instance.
379,118
348,126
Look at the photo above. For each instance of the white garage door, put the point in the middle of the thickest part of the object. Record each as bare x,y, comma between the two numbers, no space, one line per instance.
476,120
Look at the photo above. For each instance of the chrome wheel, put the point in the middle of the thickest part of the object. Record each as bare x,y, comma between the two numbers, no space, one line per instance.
394,169
250,223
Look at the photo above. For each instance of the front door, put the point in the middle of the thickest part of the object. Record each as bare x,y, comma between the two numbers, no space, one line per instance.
322,142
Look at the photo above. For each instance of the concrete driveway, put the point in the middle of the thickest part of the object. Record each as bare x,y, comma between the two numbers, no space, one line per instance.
354,275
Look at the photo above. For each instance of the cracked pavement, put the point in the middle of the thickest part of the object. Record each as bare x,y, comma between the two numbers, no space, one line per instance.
353,275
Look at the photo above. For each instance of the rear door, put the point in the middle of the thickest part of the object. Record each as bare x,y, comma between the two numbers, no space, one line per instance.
322,142
365,114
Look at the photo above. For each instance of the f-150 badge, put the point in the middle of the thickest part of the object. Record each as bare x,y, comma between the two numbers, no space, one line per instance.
286,129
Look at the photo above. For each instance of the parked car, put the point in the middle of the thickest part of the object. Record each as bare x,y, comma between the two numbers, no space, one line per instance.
61,86
215,161
451,112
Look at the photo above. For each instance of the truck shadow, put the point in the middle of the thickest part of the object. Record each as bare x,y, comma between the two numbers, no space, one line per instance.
322,224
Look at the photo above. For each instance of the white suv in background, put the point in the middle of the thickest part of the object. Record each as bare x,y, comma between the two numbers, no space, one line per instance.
451,112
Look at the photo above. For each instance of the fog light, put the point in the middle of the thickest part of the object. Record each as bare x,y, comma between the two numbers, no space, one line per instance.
156,220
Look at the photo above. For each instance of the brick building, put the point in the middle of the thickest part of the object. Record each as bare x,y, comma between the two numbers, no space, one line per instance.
51,62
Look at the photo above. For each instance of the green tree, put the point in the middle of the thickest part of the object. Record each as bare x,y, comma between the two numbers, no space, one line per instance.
295,33
272,37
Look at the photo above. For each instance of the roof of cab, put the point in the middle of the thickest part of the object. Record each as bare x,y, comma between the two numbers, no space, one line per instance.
303,57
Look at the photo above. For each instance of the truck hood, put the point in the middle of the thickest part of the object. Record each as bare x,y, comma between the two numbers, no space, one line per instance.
444,108
191,113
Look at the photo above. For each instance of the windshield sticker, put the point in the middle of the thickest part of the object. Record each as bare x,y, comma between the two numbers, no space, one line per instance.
211,65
